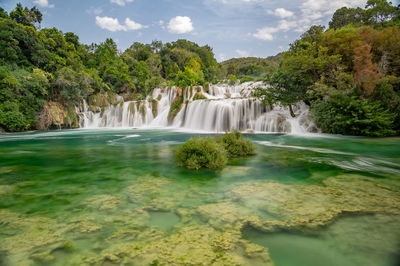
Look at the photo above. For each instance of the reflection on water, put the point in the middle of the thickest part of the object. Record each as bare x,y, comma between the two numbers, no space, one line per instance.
112,197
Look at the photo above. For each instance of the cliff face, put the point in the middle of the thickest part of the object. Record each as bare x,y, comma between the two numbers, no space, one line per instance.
56,115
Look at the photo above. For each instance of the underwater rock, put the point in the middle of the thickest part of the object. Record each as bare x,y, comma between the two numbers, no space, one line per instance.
123,235
383,237
23,236
197,245
220,215
303,207
152,194
5,189
102,202
236,171
82,225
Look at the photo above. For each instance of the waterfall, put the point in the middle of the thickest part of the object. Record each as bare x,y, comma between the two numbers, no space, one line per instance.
220,108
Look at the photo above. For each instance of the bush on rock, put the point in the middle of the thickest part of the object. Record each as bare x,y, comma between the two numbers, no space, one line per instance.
213,153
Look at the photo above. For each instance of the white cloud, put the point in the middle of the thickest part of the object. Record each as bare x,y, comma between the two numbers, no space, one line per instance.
121,2
94,10
265,33
221,57
283,13
312,12
242,53
43,3
286,25
316,11
132,25
112,24
180,25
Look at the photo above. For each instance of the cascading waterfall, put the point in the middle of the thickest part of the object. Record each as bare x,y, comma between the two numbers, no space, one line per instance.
220,108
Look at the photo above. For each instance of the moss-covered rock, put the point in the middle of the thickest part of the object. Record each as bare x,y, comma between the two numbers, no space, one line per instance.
102,202
154,107
176,106
54,114
6,189
303,207
199,96
197,245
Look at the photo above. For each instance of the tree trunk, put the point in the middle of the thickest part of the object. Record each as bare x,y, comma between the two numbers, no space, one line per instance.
291,111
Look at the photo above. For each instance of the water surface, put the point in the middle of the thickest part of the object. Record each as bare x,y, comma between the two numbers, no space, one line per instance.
116,196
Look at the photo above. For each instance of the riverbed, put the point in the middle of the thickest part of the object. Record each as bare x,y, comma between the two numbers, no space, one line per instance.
112,197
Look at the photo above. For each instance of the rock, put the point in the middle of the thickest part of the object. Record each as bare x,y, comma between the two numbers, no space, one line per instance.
302,207
6,189
81,225
197,245
102,202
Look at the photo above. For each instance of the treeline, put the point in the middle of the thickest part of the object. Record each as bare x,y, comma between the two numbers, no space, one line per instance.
349,74
39,65
250,68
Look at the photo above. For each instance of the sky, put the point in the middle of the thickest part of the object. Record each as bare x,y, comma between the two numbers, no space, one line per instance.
233,28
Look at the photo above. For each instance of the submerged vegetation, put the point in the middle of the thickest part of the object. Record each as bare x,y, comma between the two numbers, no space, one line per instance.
131,205
213,153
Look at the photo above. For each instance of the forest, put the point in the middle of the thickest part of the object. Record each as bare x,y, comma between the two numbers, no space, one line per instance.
48,65
349,73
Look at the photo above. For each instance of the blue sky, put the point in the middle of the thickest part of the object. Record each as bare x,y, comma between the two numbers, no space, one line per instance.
233,28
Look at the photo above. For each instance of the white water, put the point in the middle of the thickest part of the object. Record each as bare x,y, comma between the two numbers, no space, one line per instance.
226,108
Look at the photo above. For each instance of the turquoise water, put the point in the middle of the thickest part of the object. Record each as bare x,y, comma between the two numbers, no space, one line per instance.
106,197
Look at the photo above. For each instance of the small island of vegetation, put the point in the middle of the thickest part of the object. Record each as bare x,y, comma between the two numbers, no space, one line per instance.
214,152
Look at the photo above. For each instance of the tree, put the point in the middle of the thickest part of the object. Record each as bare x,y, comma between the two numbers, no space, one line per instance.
380,12
25,16
366,73
345,16
3,13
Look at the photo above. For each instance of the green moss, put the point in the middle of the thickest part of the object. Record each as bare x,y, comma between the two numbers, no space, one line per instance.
142,110
199,153
199,96
176,106
154,107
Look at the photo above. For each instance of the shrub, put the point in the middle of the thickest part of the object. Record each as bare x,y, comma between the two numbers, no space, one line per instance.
232,79
246,79
11,119
236,145
199,153
350,115
213,153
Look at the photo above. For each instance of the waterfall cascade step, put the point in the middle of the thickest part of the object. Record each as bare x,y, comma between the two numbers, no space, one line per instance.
219,108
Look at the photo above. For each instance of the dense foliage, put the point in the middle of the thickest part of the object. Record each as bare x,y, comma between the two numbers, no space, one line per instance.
200,152
249,68
213,153
236,145
349,74
39,65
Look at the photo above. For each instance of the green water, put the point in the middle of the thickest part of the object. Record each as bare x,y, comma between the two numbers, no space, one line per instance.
112,197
